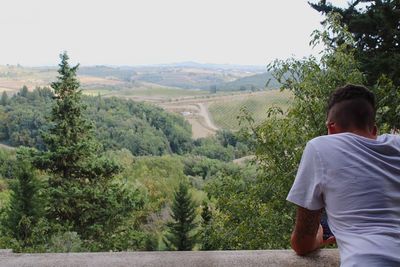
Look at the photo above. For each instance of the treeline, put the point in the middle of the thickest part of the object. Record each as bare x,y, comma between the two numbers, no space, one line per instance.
256,82
141,128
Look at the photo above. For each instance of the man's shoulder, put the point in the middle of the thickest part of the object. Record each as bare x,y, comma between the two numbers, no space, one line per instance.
332,139
389,137
344,141
335,141
349,137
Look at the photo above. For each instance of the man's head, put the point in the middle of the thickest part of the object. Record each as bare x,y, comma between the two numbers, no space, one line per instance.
351,108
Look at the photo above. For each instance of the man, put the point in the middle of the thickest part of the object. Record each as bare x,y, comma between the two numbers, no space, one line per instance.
355,175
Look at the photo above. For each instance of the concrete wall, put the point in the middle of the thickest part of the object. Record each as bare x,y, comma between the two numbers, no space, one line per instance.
326,257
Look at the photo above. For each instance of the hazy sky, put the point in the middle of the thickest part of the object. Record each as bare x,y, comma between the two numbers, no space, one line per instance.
133,32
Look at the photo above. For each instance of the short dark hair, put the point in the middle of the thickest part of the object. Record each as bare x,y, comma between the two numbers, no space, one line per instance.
352,106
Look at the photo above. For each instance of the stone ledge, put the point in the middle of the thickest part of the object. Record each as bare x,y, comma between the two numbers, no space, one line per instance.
248,258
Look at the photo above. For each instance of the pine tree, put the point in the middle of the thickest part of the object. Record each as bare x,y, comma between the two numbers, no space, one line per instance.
374,25
70,141
206,217
24,91
4,99
181,231
25,207
83,194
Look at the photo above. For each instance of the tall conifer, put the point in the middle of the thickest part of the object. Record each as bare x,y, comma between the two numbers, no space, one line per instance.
374,25
25,204
4,98
181,231
83,194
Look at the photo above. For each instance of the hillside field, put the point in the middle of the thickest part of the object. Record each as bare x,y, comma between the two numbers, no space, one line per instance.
225,113
184,89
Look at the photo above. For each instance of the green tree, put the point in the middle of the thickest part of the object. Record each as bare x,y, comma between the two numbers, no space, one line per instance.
206,223
84,197
24,91
281,139
4,99
181,231
253,213
26,205
69,140
374,25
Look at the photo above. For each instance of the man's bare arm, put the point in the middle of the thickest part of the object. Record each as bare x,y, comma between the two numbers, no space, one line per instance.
307,233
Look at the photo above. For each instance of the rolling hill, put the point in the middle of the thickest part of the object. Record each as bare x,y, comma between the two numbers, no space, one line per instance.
254,82
186,75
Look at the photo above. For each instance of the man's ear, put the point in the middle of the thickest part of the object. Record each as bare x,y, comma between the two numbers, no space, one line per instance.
331,128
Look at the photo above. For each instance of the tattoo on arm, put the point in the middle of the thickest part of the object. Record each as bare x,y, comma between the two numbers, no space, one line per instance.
307,222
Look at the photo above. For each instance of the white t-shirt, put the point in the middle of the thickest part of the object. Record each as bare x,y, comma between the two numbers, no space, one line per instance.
357,181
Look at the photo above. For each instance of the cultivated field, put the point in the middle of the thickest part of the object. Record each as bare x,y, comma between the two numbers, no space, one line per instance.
209,113
226,112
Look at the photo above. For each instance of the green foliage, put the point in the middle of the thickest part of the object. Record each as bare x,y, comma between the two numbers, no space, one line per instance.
181,234
23,118
206,168
240,219
24,91
69,140
159,176
281,139
374,25
252,213
211,148
139,127
256,82
375,38
65,242
226,138
388,99
7,163
82,193
4,99
225,146
25,208
205,231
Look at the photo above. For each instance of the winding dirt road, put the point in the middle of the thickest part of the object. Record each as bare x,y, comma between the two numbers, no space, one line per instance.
197,115
195,109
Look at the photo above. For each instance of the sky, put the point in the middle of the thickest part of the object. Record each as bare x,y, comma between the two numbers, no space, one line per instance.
143,32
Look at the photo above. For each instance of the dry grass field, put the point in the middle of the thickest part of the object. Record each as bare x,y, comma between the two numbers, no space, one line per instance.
226,112
209,113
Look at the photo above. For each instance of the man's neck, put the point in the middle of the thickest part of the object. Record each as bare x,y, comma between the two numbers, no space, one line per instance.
363,133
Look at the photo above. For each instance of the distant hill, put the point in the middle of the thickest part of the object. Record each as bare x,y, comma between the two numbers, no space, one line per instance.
185,75
190,64
254,82
123,74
